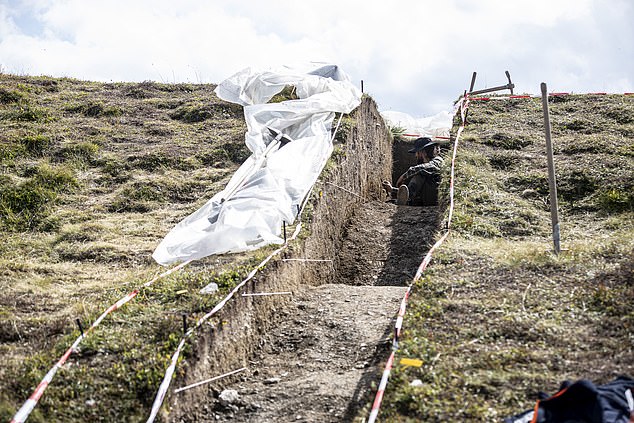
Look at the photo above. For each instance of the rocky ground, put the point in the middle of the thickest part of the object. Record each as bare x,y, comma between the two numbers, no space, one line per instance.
326,350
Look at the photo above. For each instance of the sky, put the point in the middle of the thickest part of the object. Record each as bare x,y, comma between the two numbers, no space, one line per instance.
413,56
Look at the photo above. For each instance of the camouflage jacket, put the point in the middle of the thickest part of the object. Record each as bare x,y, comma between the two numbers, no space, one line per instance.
432,167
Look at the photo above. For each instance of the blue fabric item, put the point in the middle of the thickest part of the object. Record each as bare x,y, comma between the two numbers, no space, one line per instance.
584,402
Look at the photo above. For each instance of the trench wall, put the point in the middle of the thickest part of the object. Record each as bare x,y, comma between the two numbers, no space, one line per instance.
362,159
403,159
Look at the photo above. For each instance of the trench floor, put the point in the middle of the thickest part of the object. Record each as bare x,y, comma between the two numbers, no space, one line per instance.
324,355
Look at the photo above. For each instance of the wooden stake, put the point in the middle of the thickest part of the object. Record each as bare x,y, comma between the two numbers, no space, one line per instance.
265,294
552,181
81,329
473,79
184,388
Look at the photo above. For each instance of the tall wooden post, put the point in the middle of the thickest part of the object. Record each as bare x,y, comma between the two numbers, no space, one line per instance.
552,182
473,78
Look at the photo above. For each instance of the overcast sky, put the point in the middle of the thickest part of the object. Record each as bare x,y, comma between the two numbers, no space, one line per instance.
414,56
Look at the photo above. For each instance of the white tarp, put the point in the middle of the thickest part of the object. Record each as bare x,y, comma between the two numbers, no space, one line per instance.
435,126
290,144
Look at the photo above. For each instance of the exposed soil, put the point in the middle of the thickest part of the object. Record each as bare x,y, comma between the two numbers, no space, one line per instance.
326,347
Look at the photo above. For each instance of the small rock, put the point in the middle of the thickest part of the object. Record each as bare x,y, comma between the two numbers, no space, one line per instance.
416,382
91,402
529,193
272,380
228,397
210,289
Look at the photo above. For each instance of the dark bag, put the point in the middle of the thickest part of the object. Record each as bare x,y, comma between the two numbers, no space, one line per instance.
583,402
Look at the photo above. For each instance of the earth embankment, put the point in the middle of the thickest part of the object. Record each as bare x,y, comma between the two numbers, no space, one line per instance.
350,233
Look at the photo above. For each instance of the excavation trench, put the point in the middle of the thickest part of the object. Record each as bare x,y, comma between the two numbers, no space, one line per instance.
313,356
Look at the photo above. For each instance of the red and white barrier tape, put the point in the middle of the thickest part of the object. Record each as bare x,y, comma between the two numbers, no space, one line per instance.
554,94
376,405
23,413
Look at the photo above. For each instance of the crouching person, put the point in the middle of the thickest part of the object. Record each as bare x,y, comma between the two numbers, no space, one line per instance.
418,186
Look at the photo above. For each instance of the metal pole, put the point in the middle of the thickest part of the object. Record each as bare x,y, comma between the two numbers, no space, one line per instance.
552,182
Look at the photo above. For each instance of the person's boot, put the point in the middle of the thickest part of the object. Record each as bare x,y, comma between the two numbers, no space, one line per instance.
402,196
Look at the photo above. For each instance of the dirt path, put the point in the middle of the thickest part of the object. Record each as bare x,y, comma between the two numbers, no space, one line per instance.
327,347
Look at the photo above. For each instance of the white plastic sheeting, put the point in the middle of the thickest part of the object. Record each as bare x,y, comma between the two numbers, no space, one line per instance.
438,125
290,144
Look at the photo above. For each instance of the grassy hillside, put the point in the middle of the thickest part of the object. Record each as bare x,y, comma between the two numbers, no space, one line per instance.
499,317
92,177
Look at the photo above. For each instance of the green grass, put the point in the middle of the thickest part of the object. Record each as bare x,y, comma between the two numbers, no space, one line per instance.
79,161
94,109
24,204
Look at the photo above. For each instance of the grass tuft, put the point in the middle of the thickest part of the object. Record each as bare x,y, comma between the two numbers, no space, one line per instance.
94,109
25,204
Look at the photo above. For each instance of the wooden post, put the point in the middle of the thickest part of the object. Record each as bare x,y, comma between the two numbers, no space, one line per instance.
552,182
473,78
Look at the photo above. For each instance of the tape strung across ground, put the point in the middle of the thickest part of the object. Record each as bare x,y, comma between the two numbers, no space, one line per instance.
23,413
515,97
323,89
462,107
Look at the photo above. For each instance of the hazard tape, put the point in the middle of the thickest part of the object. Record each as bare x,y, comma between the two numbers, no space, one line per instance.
23,413
554,94
376,405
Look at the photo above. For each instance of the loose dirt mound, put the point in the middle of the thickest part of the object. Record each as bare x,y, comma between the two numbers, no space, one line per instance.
326,347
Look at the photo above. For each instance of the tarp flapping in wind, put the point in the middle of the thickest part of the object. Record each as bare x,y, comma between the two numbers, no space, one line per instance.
436,126
290,144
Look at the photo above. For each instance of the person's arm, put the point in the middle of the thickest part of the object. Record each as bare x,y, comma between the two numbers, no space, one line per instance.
430,168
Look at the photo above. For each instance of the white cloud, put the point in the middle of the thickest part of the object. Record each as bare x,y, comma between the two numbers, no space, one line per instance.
414,56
